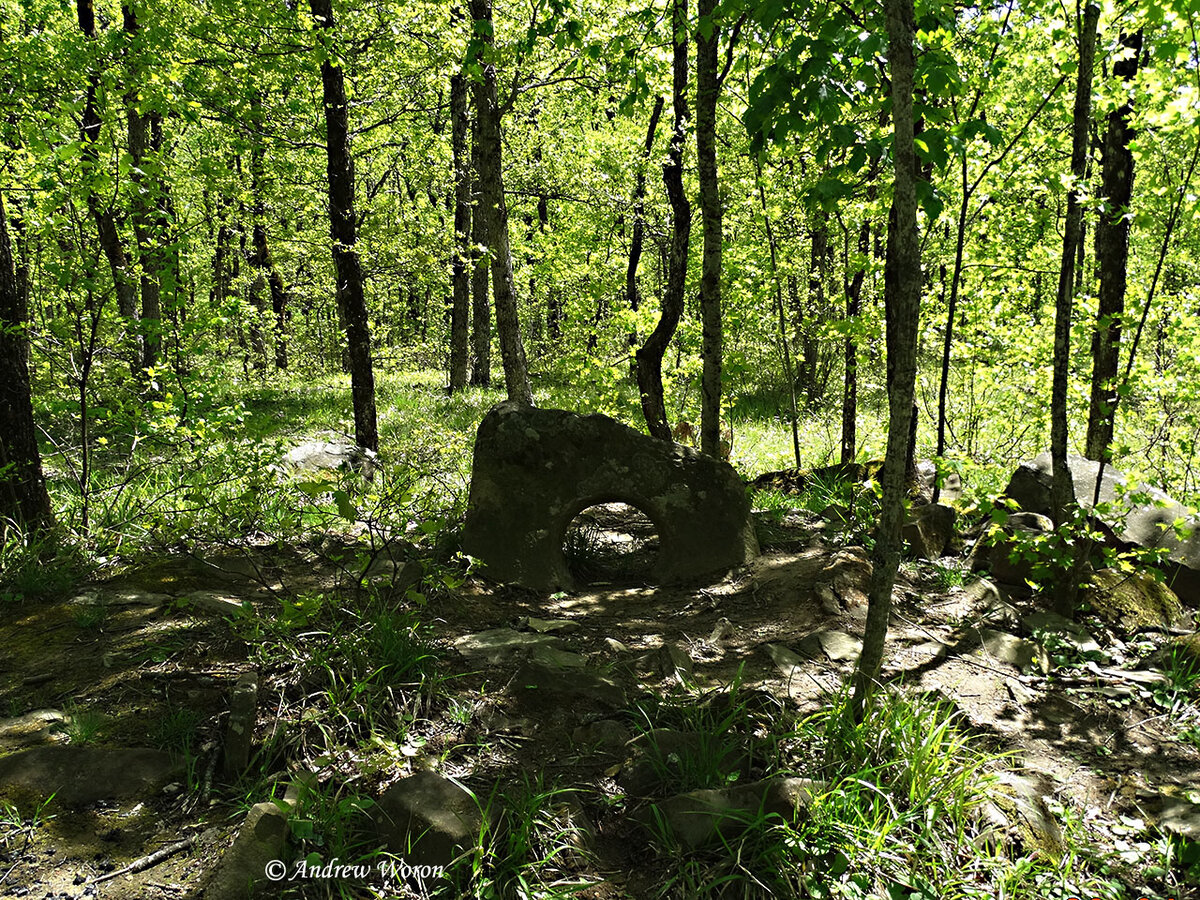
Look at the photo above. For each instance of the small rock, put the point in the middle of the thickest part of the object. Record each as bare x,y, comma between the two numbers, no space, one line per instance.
42,726
1025,655
701,819
674,662
239,735
836,645
547,626
262,839
929,530
428,819
607,736
555,658
217,602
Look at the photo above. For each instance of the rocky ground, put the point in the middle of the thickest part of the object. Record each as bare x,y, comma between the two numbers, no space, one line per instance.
119,702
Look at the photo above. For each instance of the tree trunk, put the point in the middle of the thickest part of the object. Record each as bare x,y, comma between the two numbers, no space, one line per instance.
1062,489
23,496
106,226
650,354
481,308
260,256
902,293
343,228
460,286
494,208
708,88
633,295
854,286
1112,258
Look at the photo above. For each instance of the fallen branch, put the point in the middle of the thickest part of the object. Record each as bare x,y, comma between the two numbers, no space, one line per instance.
151,859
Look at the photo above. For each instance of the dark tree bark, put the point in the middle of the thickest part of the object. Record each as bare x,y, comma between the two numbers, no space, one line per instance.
850,382
260,255
633,295
1112,257
902,294
460,285
343,228
481,308
1062,490
23,496
650,354
106,226
494,208
708,88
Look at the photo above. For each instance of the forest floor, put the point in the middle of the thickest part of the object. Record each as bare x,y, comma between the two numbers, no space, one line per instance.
138,661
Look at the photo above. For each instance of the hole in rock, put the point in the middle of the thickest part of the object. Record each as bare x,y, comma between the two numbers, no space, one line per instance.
611,543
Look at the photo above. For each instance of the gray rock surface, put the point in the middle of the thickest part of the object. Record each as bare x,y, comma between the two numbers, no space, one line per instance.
77,776
534,470
239,734
500,644
427,819
262,839
314,456
702,819
1147,520
929,530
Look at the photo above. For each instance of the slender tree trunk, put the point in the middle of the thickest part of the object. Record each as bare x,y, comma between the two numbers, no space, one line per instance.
633,295
1112,257
854,286
460,285
260,255
343,228
23,496
481,308
650,354
1062,489
494,208
708,88
902,292
106,226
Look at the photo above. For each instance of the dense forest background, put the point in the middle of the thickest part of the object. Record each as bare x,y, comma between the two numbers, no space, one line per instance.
170,174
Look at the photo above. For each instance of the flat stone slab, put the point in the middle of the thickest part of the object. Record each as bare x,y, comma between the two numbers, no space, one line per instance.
428,819
219,602
534,470
77,776
42,726
499,644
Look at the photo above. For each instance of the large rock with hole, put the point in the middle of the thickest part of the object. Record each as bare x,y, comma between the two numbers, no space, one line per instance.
1141,515
536,469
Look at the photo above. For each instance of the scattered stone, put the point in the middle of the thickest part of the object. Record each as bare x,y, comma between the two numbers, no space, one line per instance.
1070,632
1025,655
547,626
1006,553
830,604
1133,520
77,776
218,602
1133,600
952,486
134,597
674,662
261,839
500,644
239,735
607,736
1019,806
42,726
615,646
535,469
554,658
702,819
1179,817
316,456
722,629
785,660
836,645
929,530
427,819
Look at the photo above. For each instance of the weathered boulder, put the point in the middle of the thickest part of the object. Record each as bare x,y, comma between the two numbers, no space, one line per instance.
534,470
428,819
929,530
1142,515
256,851
705,818
1010,552
1134,599
315,456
